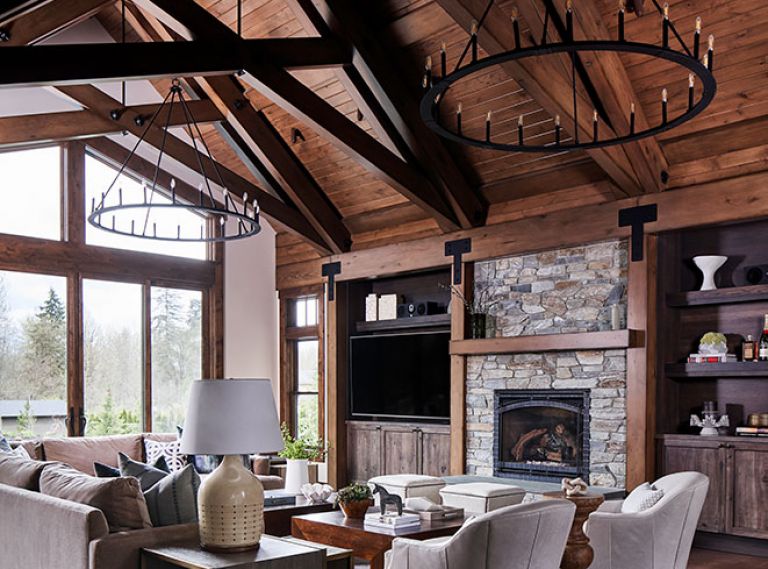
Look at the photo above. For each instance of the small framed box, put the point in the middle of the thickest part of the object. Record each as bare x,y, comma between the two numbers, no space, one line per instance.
371,307
388,307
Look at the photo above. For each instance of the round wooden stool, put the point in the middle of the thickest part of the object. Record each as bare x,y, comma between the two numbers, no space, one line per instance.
578,553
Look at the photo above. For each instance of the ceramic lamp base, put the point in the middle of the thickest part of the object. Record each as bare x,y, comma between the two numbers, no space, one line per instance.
231,508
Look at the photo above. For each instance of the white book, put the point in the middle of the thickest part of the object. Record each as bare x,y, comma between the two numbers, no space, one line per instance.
392,520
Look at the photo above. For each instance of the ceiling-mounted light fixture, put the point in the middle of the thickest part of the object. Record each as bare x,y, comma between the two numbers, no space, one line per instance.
437,87
115,212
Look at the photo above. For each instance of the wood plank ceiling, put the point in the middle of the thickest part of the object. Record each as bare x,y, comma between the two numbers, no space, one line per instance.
729,139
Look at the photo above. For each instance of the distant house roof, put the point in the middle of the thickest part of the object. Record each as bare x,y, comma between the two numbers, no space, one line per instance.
40,408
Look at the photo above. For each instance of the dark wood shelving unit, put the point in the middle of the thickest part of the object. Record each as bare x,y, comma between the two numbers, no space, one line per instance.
731,295
717,371
429,321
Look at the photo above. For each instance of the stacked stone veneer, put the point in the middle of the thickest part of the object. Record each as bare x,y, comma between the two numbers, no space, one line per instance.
561,291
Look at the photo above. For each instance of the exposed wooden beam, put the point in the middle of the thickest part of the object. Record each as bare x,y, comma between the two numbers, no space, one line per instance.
56,127
49,19
612,86
264,140
86,63
102,104
545,83
193,22
383,70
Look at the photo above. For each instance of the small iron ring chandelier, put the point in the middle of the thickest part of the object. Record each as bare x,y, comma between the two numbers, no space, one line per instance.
430,109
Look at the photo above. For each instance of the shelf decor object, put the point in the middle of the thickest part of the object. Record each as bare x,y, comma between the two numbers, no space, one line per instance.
231,417
154,213
437,85
710,421
708,265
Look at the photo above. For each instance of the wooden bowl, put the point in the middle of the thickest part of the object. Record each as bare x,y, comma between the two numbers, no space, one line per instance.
355,510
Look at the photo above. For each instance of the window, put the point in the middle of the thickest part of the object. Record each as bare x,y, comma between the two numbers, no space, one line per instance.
177,357
113,344
31,183
33,354
302,388
98,177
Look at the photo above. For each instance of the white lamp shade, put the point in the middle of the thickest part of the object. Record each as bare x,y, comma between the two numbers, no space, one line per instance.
231,416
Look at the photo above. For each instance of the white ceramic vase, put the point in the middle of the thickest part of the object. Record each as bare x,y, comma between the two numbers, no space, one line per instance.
708,265
296,475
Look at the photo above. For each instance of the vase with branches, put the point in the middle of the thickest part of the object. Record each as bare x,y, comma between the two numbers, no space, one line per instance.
479,308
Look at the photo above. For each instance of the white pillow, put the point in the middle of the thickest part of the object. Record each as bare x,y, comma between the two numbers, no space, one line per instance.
641,498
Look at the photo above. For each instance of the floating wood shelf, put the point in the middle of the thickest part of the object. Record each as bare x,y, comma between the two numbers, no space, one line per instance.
612,339
717,371
730,295
429,321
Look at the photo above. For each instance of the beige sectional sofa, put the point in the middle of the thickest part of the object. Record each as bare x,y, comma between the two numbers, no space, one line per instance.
41,531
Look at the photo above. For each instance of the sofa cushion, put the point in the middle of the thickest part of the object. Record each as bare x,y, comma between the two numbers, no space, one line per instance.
147,475
21,472
170,450
120,499
173,500
641,498
481,497
81,452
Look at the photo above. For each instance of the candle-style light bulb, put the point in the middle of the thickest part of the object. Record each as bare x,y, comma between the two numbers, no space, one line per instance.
691,80
473,39
569,19
664,105
698,24
520,130
664,94
458,118
557,129
594,125
632,118
427,72
443,59
488,126
711,42
622,9
665,27
696,38
516,27
710,52
666,10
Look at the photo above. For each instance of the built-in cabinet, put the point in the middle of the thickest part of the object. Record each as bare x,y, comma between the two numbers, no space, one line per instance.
738,480
376,448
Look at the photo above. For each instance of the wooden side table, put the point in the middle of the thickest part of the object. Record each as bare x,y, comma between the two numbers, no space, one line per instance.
578,552
273,553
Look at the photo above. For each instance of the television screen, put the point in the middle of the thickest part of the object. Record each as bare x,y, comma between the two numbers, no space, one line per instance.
404,376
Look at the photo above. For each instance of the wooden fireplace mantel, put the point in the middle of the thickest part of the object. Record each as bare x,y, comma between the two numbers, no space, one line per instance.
606,340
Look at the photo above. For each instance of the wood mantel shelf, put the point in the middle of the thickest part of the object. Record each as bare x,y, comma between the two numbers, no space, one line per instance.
611,339
714,370
730,295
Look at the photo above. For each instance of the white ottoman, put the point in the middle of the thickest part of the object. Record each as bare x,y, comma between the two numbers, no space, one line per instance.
481,497
411,485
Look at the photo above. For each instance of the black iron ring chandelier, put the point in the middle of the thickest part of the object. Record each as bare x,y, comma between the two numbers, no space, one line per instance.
437,87
111,210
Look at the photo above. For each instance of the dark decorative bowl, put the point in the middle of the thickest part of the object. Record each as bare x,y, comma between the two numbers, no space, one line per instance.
356,510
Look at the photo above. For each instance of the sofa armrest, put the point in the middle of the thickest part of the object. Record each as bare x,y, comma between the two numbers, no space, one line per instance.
122,550
611,506
414,554
260,464
621,540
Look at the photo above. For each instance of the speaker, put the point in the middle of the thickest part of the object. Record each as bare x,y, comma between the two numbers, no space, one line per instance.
425,308
757,274
406,310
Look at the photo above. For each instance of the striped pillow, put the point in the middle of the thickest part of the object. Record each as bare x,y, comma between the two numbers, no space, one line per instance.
173,500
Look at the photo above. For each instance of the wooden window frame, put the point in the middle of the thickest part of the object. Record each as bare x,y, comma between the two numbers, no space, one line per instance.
289,336
73,259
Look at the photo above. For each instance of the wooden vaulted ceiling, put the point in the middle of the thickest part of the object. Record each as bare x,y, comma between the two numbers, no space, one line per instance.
410,183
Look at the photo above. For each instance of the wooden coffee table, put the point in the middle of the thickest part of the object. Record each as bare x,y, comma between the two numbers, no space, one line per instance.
332,528
578,552
277,519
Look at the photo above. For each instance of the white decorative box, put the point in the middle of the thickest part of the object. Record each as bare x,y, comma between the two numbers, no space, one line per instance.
387,307
371,307
411,485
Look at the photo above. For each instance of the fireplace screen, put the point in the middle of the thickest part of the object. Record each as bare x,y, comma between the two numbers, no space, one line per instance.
542,434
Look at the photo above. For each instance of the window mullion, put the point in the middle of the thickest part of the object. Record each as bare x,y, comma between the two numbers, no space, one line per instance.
147,356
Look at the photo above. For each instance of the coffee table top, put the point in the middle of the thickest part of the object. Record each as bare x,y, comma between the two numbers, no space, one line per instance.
270,552
337,519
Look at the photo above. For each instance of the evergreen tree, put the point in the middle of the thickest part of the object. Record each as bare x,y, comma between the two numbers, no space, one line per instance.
45,350
25,422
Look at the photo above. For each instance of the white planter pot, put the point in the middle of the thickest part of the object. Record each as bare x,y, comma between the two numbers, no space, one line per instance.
708,265
296,475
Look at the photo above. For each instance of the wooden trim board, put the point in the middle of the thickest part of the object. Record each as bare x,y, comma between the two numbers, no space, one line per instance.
613,339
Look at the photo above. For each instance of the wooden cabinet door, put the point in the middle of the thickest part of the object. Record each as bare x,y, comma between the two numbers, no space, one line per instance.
399,450
748,498
435,451
706,457
363,451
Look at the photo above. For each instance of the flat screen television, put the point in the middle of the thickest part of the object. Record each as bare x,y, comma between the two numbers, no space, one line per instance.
400,376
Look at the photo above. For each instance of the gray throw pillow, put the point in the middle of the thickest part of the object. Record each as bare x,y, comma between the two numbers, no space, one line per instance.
173,500
5,446
147,475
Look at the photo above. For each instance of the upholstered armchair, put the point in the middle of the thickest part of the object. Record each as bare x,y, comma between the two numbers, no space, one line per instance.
657,538
525,536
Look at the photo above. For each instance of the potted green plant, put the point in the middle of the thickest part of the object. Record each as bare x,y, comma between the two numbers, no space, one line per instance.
354,500
297,452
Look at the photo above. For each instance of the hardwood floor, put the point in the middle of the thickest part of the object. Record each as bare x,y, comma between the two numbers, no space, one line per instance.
706,559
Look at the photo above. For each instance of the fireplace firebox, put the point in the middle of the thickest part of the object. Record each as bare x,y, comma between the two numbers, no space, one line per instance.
541,434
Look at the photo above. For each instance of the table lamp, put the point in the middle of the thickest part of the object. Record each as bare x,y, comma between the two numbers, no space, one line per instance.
231,417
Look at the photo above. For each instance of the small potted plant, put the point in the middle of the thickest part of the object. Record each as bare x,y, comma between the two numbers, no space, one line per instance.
355,500
297,453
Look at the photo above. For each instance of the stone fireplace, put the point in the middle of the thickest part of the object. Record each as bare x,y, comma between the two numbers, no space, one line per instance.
561,291
541,434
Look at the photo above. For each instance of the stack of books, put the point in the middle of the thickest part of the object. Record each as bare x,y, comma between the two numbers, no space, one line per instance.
391,521
711,358
752,431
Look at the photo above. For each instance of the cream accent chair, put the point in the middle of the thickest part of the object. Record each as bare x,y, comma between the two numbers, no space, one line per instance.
657,538
526,536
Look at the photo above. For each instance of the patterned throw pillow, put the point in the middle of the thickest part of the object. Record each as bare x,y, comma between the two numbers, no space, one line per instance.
5,448
171,451
173,500
641,498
